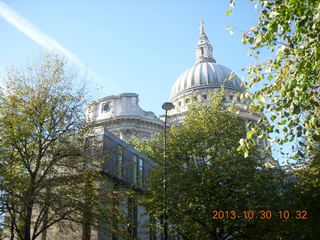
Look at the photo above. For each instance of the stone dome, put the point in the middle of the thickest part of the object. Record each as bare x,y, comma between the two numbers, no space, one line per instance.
207,74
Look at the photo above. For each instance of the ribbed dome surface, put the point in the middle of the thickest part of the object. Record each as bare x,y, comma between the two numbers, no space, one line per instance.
205,75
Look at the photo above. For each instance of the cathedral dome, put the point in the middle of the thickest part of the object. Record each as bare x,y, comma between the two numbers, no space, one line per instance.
206,73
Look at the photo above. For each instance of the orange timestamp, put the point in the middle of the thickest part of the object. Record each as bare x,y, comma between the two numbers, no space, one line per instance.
261,214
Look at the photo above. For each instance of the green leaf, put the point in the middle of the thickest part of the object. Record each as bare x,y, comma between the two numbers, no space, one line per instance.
296,109
249,134
230,30
246,154
282,122
228,12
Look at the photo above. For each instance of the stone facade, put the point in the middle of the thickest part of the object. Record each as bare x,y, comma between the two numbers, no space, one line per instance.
119,117
122,115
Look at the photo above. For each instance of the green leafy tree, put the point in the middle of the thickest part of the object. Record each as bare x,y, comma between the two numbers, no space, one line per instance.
286,84
207,173
47,153
289,30
305,193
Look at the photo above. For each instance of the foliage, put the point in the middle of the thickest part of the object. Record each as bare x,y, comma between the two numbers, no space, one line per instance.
289,29
207,173
46,178
307,192
287,86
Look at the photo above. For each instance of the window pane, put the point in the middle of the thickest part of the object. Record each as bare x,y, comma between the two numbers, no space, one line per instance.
134,169
140,172
120,162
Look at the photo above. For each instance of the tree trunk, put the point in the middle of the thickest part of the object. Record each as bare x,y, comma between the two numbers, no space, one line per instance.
46,213
12,229
86,232
27,224
28,212
87,214
86,225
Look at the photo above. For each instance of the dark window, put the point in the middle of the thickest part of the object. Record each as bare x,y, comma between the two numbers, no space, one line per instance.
106,107
204,97
138,166
115,223
152,228
134,169
132,218
187,100
140,172
120,168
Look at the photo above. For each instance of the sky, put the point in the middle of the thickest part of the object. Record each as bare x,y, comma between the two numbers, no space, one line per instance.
139,46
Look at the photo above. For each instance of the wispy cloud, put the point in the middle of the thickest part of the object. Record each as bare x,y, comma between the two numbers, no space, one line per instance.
24,26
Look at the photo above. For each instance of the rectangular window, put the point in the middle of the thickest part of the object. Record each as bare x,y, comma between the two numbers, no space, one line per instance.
132,218
114,224
138,176
134,169
140,172
120,169
152,229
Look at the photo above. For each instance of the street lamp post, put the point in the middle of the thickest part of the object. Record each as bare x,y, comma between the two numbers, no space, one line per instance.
166,106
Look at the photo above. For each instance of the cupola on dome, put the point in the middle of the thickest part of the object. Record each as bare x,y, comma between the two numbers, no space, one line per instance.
206,73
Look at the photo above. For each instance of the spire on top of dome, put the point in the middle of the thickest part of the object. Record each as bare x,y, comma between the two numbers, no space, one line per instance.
203,47
201,26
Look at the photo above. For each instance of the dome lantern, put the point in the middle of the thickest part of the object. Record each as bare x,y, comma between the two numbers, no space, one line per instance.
205,75
203,47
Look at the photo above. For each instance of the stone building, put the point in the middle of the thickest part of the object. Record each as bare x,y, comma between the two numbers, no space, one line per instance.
122,115
119,117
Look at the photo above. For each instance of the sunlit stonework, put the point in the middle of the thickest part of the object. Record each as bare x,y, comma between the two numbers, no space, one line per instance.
122,115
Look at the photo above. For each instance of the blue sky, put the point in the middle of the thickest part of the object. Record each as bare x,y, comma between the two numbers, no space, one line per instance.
130,45
139,46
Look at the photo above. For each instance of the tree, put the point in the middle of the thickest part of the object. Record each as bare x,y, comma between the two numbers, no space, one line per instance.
46,151
290,31
287,86
206,173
